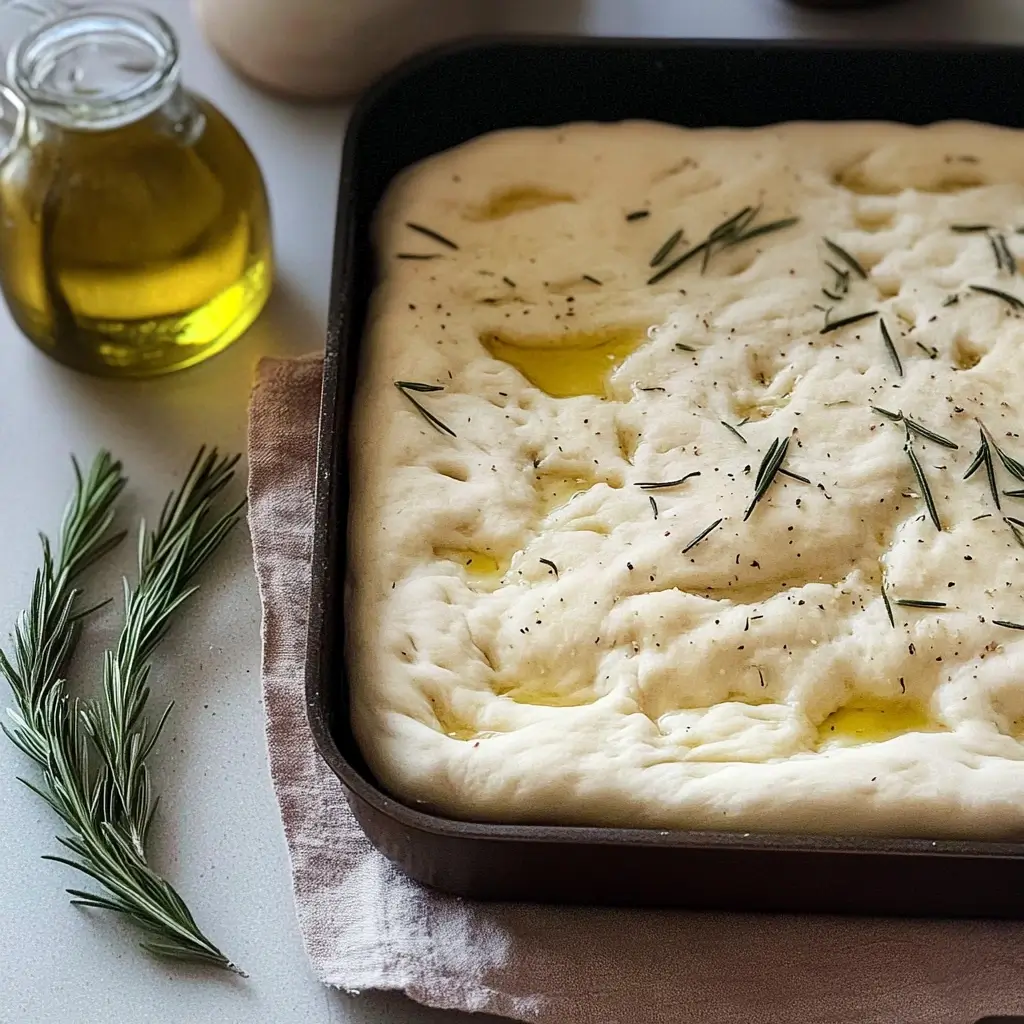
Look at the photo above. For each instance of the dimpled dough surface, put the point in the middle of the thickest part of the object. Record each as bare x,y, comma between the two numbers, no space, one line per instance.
528,640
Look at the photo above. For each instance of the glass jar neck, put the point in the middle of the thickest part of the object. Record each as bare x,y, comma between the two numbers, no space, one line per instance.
96,69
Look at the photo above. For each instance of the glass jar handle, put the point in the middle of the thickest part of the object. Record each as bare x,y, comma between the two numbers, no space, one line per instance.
13,115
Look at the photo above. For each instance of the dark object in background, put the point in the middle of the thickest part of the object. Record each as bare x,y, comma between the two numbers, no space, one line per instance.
841,3
444,98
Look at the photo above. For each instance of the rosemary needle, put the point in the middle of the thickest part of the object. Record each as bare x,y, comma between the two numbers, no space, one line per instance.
983,457
551,565
915,428
1011,300
700,536
665,248
907,602
888,607
418,255
591,279
638,215
1016,528
654,505
850,261
657,485
967,229
1009,260
922,482
847,320
431,233
770,465
405,386
733,430
1007,625
893,354
764,229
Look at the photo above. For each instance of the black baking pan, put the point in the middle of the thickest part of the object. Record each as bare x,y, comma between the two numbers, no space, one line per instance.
447,97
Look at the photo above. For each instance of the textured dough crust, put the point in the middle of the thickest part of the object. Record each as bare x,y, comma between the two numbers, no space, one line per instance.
696,688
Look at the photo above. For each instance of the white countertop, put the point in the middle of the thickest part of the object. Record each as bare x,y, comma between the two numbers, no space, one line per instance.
218,835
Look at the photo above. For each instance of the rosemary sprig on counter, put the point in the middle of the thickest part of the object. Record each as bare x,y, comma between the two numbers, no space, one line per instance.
106,802
406,386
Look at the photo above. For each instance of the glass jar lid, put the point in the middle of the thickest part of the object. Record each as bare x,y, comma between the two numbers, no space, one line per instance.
95,67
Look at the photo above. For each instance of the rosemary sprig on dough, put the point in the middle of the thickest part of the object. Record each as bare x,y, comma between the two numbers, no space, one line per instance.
851,261
700,536
890,347
835,325
405,386
657,485
764,229
666,247
106,801
1011,300
768,470
1016,528
983,457
1009,262
888,607
915,428
430,233
922,480
733,430
732,231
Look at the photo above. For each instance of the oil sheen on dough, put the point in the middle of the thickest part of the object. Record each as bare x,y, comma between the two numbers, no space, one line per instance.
528,640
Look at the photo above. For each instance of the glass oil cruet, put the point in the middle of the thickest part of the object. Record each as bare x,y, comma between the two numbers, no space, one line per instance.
134,228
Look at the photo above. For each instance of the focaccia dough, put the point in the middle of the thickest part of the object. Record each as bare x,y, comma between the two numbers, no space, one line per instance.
528,641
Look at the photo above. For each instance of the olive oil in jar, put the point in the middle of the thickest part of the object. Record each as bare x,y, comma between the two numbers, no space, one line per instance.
135,233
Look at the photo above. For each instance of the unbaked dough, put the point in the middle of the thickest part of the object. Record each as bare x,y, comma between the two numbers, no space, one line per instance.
532,639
